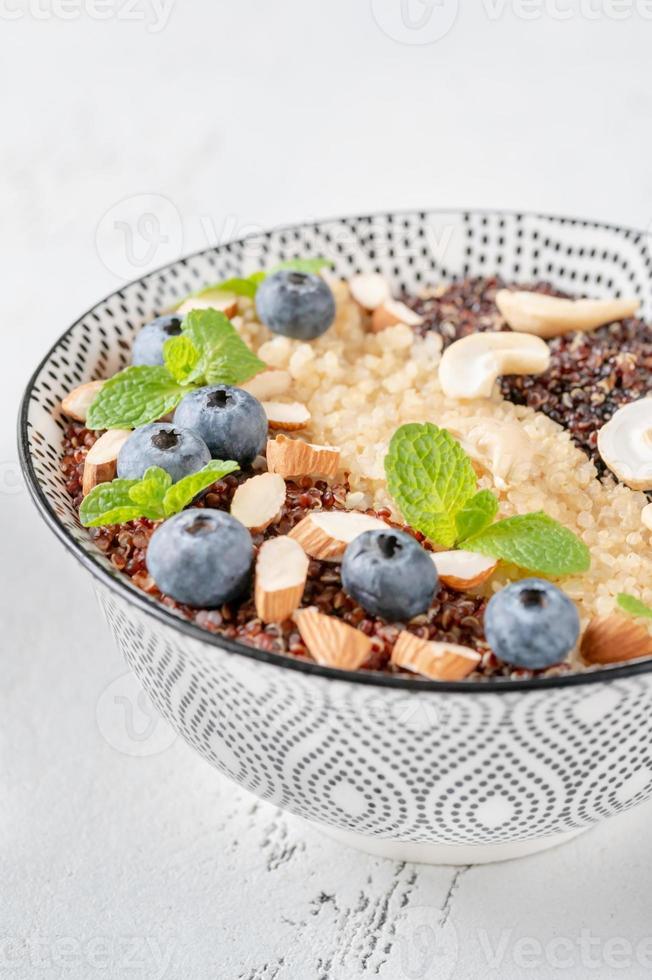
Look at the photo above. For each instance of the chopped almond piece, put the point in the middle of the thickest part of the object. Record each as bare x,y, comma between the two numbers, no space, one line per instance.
286,415
613,639
226,303
293,457
391,313
268,384
462,570
325,534
281,572
436,660
101,461
79,400
369,289
332,642
258,502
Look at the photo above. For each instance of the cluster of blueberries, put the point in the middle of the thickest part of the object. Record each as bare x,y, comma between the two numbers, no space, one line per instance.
204,557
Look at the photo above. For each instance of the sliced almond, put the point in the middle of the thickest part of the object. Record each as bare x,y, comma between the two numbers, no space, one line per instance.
268,384
391,313
225,302
462,570
625,444
281,573
332,642
470,367
369,289
613,639
293,457
286,415
325,534
551,316
258,502
436,660
101,461
79,400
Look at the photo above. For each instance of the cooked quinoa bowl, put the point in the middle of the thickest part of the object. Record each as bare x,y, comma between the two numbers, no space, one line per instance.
428,478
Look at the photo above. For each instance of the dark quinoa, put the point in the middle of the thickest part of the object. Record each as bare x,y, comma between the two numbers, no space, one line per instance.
454,617
590,375
589,378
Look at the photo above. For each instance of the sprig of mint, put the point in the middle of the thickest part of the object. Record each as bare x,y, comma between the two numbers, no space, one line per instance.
248,285
155,496
435,488
208,351
633,606
432,481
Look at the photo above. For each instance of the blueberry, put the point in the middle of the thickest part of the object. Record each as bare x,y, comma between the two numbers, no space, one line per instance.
202,558
176,450
389,574
531,624
148,345
295,304
230,421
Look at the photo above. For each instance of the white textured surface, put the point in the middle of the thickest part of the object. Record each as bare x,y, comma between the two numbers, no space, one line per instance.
123,854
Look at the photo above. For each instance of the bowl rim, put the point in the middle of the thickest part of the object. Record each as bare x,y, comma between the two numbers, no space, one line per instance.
123,587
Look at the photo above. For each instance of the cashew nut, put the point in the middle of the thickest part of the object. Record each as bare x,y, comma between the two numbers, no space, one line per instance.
646,516
504,449
470,367
625,444
550,316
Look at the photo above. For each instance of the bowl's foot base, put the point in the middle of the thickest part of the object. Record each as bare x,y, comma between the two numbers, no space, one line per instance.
397,850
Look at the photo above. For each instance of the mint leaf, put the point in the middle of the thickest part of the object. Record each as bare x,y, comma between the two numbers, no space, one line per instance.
185,490
109,503
237,286
181,357
534,542
225,358
148,494
304,265
134,397
633,606
430,478
476,514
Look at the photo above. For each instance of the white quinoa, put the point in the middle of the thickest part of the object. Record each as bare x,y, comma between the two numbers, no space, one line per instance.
360,387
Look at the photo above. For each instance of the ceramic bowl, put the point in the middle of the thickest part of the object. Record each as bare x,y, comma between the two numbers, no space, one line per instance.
412,769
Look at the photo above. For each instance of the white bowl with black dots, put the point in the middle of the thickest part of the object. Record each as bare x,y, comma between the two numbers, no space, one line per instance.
407,768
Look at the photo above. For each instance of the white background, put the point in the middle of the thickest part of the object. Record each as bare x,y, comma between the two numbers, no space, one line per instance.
122,853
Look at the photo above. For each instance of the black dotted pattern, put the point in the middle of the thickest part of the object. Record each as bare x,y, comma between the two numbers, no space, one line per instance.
455,768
